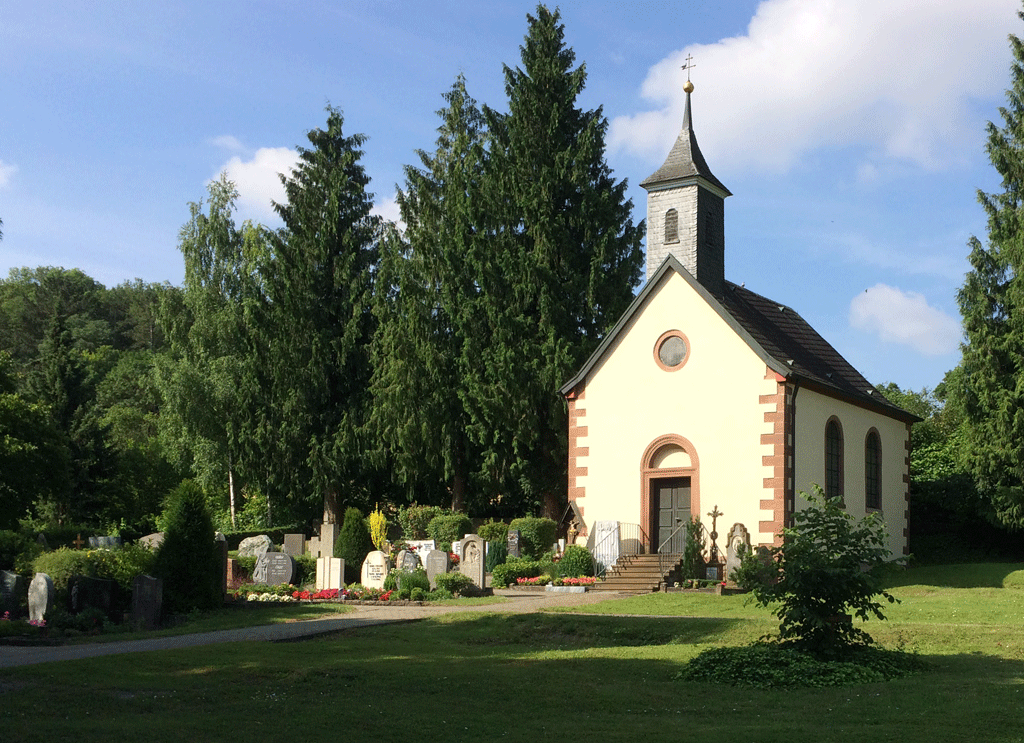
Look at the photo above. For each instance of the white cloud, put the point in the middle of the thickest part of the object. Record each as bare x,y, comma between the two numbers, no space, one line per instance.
893,77
388,209
227,142
905,318
258,180
6,173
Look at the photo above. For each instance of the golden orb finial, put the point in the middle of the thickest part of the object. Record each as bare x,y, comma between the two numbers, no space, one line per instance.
688,86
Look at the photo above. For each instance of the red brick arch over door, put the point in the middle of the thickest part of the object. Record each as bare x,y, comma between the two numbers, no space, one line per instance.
650,473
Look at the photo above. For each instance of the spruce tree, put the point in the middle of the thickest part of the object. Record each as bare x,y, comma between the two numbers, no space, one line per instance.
426,311
561,270
991,392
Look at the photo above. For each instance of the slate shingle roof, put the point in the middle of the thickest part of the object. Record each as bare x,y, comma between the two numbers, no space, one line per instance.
684,160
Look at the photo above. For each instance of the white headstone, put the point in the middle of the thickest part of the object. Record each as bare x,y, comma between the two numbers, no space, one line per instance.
375,570
606,547
40,597
330,573
737,544
472,562
422,546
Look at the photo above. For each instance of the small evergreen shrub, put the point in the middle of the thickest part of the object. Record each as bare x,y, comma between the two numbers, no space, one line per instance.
536,535
414,520
449,528
305,570
493,531
189,559
353,544
417,594
439,594
453,583
391,580
414,579
497,553
576,561
506,573
693,551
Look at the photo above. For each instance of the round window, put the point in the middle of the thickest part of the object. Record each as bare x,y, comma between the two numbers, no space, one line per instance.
671,350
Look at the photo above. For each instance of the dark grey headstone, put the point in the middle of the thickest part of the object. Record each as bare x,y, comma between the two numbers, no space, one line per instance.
108,543
90,593
274,569
40,597
436,563
471,563
407,561
12,588
147,601
293,544
513,543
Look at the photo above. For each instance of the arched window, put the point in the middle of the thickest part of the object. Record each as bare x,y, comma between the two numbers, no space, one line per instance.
872,471
671,226
833,459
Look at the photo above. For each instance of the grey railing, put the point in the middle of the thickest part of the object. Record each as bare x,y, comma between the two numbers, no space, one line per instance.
674,548
630,539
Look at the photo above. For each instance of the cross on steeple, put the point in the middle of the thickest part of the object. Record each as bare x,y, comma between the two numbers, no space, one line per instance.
689,66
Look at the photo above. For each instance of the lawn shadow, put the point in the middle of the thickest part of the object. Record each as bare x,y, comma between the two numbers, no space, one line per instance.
970,575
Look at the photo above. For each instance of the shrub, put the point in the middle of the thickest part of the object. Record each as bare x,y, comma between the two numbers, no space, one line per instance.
17,551
506,573
576,561
453,583
497,553
693,551
439,594
378,528
63,563
448,528
353,544
189,560
417,594
305,570
536,535
412,580
493,531
831,565
391,580
414,520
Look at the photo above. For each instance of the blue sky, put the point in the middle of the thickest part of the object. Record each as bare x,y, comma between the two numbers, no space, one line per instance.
850,132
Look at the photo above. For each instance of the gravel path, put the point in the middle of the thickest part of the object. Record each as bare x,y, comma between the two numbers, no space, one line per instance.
363,616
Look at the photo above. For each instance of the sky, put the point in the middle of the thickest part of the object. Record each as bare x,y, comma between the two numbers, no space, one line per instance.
850,132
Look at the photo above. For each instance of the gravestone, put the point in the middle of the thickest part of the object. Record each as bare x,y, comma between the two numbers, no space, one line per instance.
407,561
512,543
147,601
222,550
375,570
274,569
254,546
738,544
90,593
40,597
152,541
607,548
330,573
472,563
293,544
457,549
328,538
436,563
422,546
107,543
12,588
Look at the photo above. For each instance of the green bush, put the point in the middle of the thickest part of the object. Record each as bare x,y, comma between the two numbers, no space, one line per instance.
453,583
693,551
497,553
417,594
536,535
353,544
439,594
120,565
189,559
506,573
412,580
576,561
448,528
391,580
493,531
63,563
414,520
17,551
305,570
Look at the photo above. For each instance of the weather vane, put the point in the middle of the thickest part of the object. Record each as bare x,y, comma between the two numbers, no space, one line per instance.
688,86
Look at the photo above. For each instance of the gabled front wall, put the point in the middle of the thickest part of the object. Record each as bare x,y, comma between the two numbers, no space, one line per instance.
718,407
813,411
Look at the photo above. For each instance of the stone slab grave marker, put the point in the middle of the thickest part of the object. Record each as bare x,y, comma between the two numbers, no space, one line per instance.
328,538
738,544
436,563
40,597
472,563
152,541
423,546
407,561
147,601
607,546
512,543
12,588
293,544
90,593
375,570
108,543
255,546
274,569
330,573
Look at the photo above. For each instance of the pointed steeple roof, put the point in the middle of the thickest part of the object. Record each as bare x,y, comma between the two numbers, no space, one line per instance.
684,161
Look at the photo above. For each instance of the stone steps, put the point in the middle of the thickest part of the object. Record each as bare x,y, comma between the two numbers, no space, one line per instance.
638,573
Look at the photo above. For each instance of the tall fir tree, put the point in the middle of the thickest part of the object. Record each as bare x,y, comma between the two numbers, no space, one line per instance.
566,256
320,286
991,389
425,308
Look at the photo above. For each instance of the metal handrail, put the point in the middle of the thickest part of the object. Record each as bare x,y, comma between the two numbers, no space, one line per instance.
629,534
661,555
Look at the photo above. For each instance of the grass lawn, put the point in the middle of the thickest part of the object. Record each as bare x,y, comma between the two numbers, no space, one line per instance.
486,676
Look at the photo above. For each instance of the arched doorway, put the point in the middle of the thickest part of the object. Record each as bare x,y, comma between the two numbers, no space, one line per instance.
669,491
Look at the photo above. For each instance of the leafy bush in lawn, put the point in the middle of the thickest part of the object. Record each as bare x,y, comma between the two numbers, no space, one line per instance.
414,520
120,565
831,566
536,535
189,559
516,567
453,583
493,531
448,528
576,561
353,543
769,665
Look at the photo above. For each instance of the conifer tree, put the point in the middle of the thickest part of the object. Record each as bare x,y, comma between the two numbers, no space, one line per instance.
561,270
426,310
992,305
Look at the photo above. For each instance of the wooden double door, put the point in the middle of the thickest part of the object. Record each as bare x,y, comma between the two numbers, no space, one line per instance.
670,511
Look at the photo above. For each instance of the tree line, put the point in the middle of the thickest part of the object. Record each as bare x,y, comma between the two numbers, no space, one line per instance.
339,359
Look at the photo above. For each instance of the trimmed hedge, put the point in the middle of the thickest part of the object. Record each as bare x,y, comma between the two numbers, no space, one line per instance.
493,531
506,573
449,528
536,535
576,561
453,582
414,520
